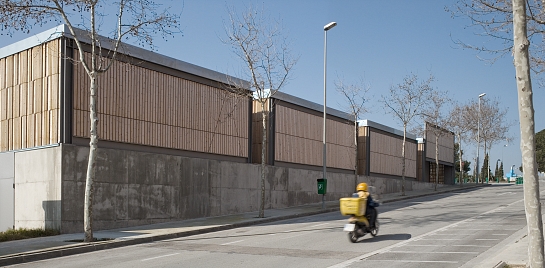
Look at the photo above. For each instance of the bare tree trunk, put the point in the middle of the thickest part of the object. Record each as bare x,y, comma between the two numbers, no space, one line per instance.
403,161
88,203
532,203
487,157
263,171
356,153
461,160
436,161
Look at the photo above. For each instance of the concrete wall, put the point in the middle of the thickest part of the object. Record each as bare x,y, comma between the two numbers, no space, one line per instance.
7,175
136,188
37,188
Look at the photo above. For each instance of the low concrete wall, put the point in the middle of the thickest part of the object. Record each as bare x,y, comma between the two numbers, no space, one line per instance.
135,188
38,188
7,175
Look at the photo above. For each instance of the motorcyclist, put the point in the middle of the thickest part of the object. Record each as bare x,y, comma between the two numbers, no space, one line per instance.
370,211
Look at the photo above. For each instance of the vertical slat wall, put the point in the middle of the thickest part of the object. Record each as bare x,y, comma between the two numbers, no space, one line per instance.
386,155
299,139
147,107
257,132
446,146
363,133
29,97
420,162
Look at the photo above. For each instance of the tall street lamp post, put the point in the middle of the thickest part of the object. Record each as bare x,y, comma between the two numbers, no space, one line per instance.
328,27
479,135
502,170
498,178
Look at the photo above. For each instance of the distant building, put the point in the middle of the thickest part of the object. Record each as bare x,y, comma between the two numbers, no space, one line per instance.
295,135
379,151
426,148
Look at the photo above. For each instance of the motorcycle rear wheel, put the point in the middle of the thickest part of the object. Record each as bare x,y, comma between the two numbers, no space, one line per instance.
374,231
353,237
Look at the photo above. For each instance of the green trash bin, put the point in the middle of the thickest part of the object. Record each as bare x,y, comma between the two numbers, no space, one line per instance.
322,186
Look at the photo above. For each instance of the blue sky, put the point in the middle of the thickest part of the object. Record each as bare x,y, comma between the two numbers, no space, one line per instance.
378,41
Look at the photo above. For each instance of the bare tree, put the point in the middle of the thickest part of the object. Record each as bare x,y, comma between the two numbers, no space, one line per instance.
405,101
493,122
269,62
521,56
460,127
527,19
436,123
140,19
355,95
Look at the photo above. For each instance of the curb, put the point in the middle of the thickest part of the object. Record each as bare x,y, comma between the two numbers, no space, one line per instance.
68,250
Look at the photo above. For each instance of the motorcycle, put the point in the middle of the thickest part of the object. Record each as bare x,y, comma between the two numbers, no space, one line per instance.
358,223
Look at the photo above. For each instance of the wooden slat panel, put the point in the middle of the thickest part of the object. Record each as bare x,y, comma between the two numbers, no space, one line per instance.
3,74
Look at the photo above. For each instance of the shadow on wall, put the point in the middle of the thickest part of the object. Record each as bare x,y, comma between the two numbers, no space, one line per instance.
52,214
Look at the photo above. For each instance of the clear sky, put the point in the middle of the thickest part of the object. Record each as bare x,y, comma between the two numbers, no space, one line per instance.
378,41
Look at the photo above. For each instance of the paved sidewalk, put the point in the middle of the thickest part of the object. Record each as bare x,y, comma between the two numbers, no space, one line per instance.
20,251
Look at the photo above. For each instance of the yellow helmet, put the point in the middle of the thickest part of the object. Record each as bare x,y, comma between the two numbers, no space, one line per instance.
362,187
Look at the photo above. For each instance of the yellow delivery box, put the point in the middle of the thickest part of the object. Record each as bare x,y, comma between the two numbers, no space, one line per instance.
353,206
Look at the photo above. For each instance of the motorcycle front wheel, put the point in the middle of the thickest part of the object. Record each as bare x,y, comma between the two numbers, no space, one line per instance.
353,237
374,231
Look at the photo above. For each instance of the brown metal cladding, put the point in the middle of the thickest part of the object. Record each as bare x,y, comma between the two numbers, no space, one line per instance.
299,139
363,134
29,97
385,155
147,107
446,146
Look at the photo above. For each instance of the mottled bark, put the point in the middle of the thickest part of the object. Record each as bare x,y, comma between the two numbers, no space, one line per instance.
91,164
403,160
532,203
436,162
461,160
263,166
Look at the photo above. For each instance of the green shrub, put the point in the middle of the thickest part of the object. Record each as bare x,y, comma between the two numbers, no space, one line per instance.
23,233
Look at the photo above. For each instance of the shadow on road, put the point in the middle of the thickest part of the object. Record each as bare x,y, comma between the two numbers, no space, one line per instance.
386,237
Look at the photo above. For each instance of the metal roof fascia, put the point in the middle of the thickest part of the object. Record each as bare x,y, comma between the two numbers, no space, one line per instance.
130,50
369,123
34,40
311,105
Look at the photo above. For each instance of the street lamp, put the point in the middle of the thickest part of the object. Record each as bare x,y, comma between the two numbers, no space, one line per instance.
498,169
328,27
479,135
502,170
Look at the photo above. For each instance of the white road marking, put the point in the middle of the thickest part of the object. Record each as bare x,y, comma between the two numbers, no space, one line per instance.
502,229
439,239
453,234
423,246
160,257
420,237
477,246
486,239
433,252
416,261
319,224
231,242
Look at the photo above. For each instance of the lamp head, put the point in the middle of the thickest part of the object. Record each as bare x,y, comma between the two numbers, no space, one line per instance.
329,26
482,95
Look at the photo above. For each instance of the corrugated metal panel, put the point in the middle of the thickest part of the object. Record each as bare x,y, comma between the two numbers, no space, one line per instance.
299,139
146,107
385,155
446,146
29,97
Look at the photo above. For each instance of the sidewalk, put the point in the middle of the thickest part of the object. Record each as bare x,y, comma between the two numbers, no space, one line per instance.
20,251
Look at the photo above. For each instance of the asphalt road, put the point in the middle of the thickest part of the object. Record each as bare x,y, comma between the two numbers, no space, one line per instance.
445,230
